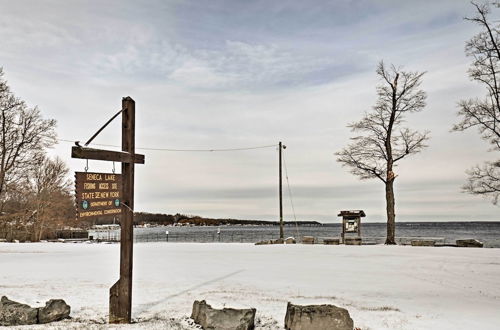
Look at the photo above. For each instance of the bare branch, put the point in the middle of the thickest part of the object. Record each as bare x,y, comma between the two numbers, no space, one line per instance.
24,135
484,180
483,113
373,153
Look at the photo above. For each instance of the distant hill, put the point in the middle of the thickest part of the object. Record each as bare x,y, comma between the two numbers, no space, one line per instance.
158,219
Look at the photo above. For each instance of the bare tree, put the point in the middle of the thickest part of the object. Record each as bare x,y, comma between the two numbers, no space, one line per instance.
41,199
50,189
24,135
384,142
484,113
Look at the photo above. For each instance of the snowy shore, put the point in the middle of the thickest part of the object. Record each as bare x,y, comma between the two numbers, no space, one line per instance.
383,287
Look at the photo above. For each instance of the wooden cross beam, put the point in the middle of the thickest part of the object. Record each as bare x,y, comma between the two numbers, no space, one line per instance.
114,156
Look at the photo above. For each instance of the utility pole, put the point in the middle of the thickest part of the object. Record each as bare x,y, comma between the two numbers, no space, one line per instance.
281,193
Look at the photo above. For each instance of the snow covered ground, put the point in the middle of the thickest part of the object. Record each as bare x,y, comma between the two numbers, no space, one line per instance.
383,287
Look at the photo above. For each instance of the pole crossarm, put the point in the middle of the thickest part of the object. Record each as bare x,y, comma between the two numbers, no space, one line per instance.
109,155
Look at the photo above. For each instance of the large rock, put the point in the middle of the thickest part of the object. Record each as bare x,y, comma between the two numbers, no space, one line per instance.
308,240
331,241
290,240
54,310
469,243
423,242
222,319
14,313
352,241
317,317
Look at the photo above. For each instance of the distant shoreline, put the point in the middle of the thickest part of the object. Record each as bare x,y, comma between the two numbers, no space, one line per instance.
159,219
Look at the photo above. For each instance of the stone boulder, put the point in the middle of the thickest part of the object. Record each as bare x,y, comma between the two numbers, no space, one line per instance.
307,240
278,241
331,241
222,319
352,241
290,240
317,317
469,243
264,243
423,242
54,310
14,313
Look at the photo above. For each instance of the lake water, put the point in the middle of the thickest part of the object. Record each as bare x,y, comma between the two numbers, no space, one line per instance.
444,232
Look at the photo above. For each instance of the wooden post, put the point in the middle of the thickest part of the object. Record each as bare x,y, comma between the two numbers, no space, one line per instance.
343,230
120,294
281,194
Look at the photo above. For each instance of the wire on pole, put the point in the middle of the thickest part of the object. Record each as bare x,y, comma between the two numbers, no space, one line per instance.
183,150
290,195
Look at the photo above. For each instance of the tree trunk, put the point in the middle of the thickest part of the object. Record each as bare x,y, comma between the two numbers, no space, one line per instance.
391,216
2,190
39,233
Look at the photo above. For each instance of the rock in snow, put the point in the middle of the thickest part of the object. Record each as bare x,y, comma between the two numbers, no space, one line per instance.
54,310
308,240
352,241
423,242
317,317
331,241
469,243
222,319
14,313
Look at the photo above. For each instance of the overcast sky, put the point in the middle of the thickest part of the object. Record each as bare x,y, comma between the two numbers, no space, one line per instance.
224,74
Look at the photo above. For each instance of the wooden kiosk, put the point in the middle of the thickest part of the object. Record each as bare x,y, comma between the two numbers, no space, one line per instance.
351,226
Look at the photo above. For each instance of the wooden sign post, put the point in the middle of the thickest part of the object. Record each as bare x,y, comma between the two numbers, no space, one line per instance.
120,294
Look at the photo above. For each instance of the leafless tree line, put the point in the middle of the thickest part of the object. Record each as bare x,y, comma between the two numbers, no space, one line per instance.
34,189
